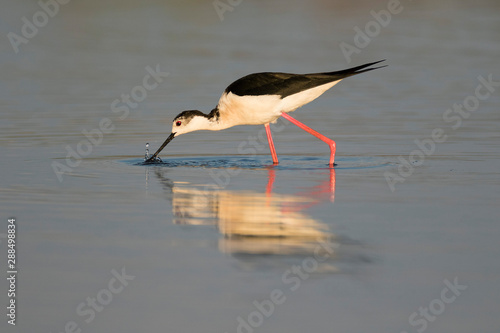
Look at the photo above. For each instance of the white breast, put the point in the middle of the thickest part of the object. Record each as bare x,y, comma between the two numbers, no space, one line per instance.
248,110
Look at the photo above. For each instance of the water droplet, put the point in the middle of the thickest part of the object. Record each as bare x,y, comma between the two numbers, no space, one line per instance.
146,155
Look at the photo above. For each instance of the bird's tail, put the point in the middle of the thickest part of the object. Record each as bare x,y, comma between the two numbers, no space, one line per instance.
338,75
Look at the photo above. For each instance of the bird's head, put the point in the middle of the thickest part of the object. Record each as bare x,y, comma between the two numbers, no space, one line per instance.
189,121
185,122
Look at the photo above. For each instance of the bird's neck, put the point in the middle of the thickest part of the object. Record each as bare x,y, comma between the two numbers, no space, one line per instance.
214,115
214,122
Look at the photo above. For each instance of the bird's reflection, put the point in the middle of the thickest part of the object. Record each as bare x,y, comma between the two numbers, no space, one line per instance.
254,223
259,227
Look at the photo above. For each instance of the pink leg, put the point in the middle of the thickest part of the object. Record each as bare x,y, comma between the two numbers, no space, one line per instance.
271,144
320,136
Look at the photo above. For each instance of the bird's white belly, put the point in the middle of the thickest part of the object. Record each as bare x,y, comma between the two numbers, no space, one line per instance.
263,109
248,110
295,101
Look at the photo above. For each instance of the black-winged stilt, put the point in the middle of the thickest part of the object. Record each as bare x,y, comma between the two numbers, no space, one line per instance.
260,99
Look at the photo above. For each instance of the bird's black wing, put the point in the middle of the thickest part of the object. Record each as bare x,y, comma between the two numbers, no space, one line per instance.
285,84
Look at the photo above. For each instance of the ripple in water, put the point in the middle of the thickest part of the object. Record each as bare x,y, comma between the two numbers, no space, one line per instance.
260,162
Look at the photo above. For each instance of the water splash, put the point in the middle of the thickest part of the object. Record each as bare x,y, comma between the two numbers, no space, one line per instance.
147,157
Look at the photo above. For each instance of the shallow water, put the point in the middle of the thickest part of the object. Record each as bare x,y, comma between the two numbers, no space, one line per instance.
213,231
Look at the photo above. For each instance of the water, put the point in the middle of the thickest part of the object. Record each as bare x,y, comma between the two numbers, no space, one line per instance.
202,237
146,155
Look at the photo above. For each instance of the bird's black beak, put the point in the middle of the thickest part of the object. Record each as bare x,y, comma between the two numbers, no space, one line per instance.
170,138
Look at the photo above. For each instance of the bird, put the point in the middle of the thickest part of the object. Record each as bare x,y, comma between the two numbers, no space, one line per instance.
260,99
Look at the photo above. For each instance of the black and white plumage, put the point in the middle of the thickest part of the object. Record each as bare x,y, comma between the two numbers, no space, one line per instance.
260,99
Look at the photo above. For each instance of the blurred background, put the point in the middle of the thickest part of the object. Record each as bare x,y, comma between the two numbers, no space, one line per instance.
214,230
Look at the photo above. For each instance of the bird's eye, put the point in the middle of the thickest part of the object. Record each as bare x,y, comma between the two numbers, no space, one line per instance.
178,123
